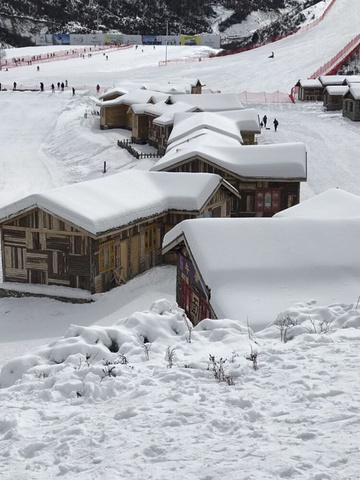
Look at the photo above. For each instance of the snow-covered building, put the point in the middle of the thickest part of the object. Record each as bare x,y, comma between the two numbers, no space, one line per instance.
97,234
267,176
211,102
251,269
310,90
351,103
115,113
333,96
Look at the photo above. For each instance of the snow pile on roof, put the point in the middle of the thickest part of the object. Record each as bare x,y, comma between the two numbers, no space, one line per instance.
135,96
332,79
258,267
336,89
114,201
354,90
310,83
171,89
187,122
113,91
332,204
211,102
203,136
287,161
247,119
165,112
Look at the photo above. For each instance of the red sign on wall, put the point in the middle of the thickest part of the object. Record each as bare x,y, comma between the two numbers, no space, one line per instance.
267,200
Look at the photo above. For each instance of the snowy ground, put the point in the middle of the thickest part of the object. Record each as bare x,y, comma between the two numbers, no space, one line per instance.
296,417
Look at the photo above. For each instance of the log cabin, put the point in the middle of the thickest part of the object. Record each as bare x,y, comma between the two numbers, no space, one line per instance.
333,96
267,177
98,234
115,113
310,90
250,270
351,103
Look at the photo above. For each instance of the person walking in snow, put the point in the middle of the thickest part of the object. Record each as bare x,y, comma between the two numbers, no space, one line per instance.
73,90
62,86
52,88
264,120
276,124
97,88
41,86
14,85
272,55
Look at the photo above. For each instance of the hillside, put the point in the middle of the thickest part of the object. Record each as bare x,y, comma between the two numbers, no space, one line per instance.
21,20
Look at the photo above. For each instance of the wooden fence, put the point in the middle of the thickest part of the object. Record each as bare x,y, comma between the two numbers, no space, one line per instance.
127,145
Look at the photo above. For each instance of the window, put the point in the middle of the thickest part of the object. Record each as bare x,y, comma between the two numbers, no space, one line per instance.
107,256
150,238
268,200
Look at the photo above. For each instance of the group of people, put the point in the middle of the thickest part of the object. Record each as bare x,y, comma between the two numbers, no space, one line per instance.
264,120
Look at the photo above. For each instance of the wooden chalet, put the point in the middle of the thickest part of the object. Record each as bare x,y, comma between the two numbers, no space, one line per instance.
112,94
115,113
310,90
98,234
267,177
333,97
351,103
244,269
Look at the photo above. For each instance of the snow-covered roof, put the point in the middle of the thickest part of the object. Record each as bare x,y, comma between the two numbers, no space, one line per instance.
354,91
211,102
187,122
258,267
113,91
135,96
247,119
278,161
205,136
336,89
332,204
165,112
310,83
170,89
332,79
116,200
352,79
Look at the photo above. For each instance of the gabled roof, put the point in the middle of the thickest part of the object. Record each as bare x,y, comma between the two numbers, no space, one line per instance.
169,88
336,89
165,111
203,136
354,91
255,268
309,83
332,204
134,97
276,161
187,122
246,119
211,102
116,200
332,80
113,91
351,79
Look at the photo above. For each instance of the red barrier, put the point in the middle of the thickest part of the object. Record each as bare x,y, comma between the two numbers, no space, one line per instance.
333,65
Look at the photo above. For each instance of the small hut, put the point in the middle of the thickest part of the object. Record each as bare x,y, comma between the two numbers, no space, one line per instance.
333,96
351,103
310,90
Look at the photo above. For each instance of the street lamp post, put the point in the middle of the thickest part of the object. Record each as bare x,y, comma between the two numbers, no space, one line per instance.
166,45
